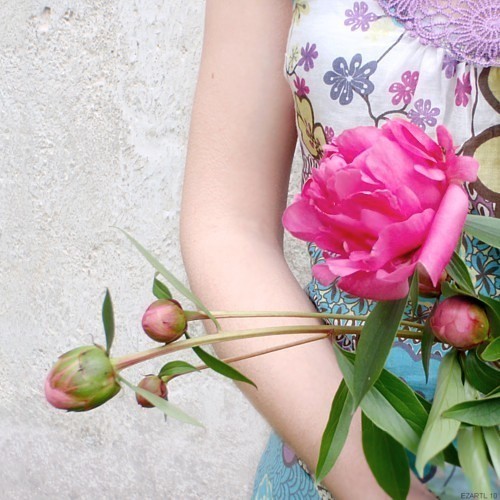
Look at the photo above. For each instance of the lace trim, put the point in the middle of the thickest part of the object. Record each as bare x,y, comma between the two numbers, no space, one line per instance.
468,29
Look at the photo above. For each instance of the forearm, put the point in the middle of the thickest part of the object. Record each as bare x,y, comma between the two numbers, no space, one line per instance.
295,386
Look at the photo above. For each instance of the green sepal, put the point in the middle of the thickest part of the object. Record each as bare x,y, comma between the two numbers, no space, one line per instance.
474,460
376,339
426,345
414,293
392,472
160,290
176,368
460,273
485,378
439,432
165,406
492,351
108,320
484,412
171,278
219,366
335,432
486,229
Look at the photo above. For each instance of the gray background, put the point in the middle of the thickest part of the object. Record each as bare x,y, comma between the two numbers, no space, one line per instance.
95,97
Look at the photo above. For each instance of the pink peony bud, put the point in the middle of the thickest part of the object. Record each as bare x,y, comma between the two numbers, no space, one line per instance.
164,320
81,379
461,322
425,286
153,384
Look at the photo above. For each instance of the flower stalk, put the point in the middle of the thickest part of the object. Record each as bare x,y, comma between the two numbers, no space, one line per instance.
132,359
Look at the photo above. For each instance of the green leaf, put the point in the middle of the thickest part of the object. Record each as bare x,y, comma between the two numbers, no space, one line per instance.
483,412
492,439
176,368
392,472
427,342
162,404
414,293
171,278
486,229
335,432
450,452
492,351
483,377
378,408
219,366
160,290
460,273
493,313
439,432
377,337
108,320
473,458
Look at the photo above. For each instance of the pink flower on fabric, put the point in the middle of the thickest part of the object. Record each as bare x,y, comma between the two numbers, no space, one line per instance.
329,135
405,90
463,90
388,200
300,85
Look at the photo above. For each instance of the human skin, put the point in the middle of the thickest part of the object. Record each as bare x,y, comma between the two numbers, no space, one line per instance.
241,145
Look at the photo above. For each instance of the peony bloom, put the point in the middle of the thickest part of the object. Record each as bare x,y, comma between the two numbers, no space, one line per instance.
164,320
461,322
387,201
81,379
153,384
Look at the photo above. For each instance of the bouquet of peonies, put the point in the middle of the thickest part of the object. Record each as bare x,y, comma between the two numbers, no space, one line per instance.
387,208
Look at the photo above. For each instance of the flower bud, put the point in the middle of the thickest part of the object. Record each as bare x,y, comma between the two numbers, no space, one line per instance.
81,379
461,322
425,286
164,320
153,384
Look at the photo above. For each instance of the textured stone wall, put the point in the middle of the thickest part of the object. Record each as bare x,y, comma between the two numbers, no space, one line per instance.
95,97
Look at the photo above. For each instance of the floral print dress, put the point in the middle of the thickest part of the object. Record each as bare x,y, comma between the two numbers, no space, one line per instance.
352,63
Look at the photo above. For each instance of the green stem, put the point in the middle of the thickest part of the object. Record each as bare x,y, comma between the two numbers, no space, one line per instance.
132,359
196,315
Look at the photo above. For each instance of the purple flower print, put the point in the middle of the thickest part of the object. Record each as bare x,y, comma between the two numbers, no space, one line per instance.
329,134
423,114
463,90
449,66
300,85
346,79
404,90
308,53
359,17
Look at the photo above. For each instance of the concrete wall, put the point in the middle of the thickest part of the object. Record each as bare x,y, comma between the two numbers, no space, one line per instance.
95,98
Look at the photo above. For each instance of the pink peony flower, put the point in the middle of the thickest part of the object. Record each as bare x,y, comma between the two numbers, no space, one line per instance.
388,200
460,322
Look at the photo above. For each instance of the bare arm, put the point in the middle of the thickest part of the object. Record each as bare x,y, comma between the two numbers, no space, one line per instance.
241,146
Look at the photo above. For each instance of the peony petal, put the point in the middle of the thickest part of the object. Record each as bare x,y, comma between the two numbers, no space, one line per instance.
401,238
434,174
301,220
323,274
463,169
444,232
368,286
354,141
412,139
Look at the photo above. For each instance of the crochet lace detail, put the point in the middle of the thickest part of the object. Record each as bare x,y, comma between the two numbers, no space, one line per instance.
468,29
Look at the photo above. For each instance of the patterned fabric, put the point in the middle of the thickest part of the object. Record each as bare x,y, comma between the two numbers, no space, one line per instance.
469,30
356,63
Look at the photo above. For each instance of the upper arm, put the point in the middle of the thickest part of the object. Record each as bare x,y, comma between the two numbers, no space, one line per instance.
242,133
